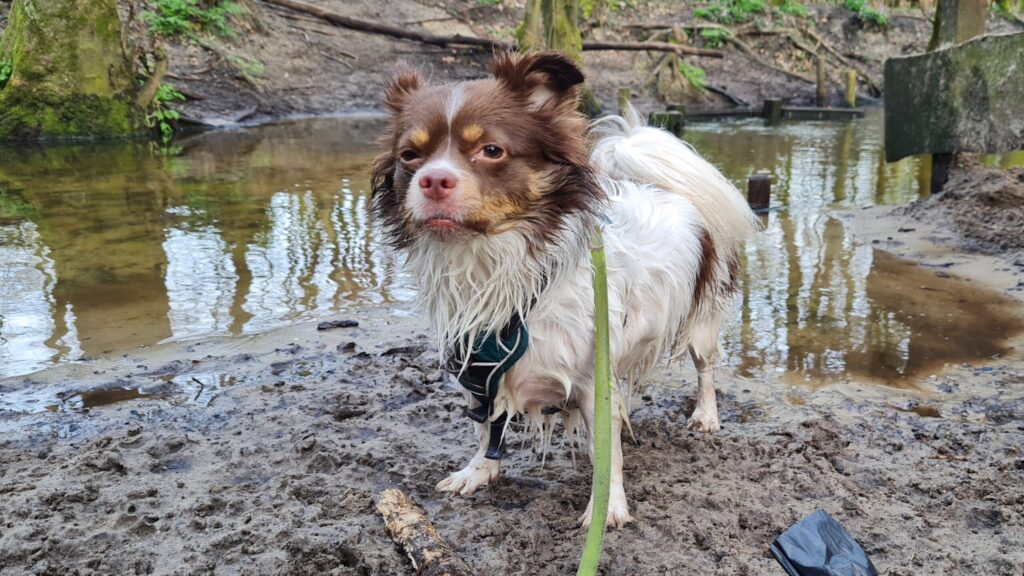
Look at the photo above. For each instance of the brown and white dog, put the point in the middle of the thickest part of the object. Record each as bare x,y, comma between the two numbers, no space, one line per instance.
493,188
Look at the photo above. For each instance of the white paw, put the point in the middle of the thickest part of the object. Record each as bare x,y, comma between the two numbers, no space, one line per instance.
703,421
618,510
477,474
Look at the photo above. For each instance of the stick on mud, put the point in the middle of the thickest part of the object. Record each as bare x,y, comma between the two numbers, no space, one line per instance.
407,524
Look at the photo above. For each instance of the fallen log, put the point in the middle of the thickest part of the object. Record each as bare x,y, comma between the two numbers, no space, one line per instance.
407,524
460,40
653,47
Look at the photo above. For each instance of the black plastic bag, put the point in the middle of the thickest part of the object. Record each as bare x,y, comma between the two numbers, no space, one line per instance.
819,546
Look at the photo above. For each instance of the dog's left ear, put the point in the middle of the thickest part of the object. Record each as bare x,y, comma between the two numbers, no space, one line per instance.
547,78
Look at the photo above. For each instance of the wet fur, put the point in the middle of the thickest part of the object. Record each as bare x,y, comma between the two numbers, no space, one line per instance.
672,225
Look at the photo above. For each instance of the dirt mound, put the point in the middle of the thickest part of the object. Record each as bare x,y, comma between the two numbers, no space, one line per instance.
985,205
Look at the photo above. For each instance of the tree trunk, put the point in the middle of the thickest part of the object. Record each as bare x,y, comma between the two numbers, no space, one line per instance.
562,28
530,33
554,25
69,77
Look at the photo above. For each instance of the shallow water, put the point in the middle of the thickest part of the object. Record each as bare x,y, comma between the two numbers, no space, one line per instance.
104,249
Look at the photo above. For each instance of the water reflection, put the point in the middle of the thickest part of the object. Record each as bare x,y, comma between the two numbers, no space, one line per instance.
245,230
818,308
105,249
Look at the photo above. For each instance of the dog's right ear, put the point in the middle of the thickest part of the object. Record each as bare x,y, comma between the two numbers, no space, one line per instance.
404,82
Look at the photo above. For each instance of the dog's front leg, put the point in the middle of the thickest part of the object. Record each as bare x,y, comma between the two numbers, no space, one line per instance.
618,508
479,472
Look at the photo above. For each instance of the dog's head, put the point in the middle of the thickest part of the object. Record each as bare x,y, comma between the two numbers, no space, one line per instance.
486,156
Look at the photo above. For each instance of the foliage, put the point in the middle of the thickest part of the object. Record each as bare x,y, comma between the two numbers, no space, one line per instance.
693,74
161,115
588,7
187,17
13,206
488,2
6,68
1004,8
730,11
794,8
714,37
867,13
248,68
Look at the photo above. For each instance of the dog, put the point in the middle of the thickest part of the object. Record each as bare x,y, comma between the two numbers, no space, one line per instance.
493,189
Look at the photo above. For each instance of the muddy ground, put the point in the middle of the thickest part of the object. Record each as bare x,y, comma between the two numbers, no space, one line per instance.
984,205
274,470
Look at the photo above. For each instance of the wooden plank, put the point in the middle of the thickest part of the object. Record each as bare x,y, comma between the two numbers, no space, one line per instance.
811,113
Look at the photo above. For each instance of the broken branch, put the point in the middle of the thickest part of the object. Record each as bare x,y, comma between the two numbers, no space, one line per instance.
407,524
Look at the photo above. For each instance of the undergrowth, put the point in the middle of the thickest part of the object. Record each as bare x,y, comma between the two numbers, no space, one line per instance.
714,37
188,17
161,115
730,11
6,69
794,9
867,13
694,75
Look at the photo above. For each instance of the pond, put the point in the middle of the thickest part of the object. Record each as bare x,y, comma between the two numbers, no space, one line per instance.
107,248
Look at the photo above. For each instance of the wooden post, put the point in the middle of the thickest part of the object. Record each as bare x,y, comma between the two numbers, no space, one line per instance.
851,89
759,191
772,110
957,21
821,80
940,171
624,97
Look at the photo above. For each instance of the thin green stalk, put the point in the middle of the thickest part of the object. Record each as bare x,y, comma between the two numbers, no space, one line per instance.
602,414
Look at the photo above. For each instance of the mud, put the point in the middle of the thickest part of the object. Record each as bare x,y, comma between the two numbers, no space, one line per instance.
985,205
274,472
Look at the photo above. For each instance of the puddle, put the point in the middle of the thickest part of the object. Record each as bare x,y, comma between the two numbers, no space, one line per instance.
199,389
105,249
94,398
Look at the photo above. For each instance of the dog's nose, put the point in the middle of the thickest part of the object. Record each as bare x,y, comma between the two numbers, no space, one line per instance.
438,184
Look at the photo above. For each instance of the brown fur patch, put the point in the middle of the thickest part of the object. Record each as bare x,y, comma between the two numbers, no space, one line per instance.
472,133
419,137
704,285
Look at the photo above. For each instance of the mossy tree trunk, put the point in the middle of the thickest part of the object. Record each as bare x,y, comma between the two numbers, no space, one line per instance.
554,25
69,77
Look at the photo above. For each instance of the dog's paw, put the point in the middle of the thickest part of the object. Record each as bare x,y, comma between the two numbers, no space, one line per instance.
618,510
477,474
703,422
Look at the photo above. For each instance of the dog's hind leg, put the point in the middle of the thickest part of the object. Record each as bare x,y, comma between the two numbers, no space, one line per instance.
618,508
704,351
478,473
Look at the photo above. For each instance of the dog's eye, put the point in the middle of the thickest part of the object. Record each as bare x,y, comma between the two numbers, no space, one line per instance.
409,155
493,152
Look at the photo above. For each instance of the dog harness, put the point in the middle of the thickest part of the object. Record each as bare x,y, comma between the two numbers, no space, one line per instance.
493,354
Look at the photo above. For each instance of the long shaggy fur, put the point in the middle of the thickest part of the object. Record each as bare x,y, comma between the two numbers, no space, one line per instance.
672,226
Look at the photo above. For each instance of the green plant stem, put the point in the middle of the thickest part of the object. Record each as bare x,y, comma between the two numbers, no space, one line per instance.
602,414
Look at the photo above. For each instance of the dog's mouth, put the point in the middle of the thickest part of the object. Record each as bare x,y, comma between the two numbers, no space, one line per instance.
442,224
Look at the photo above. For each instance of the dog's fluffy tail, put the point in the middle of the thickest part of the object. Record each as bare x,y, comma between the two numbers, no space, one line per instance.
625,148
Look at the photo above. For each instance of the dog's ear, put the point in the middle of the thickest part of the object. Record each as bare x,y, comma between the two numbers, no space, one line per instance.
404,82
544,77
